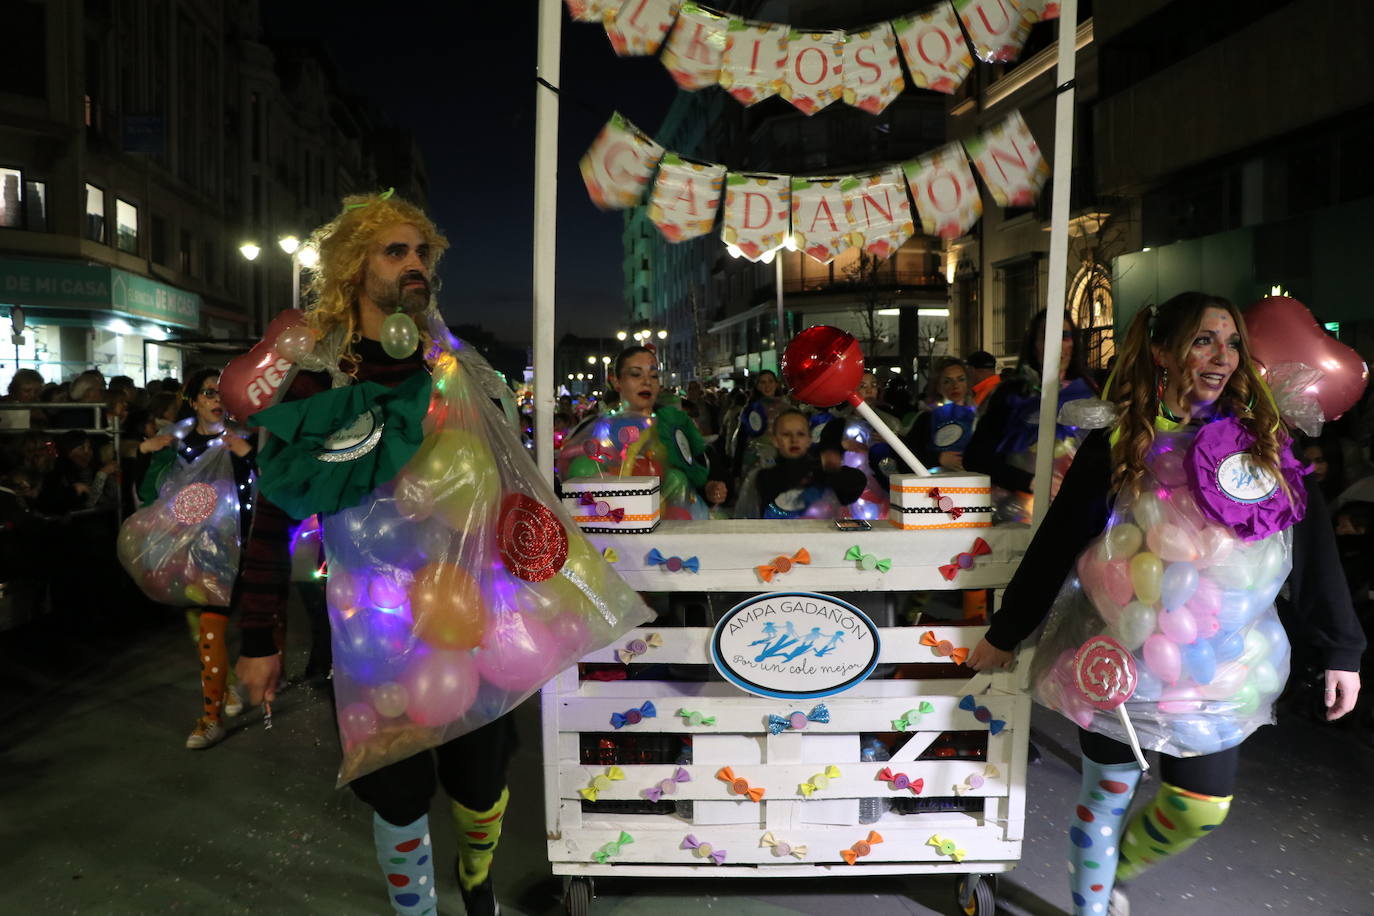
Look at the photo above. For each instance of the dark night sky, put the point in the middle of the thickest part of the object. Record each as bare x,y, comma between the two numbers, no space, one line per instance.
461,76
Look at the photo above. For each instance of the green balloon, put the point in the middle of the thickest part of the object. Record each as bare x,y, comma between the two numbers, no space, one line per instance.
400,337
582,466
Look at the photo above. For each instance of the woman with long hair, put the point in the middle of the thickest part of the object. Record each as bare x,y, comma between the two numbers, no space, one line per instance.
1177,524
940,434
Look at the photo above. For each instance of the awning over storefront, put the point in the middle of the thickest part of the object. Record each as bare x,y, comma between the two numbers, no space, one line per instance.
95,288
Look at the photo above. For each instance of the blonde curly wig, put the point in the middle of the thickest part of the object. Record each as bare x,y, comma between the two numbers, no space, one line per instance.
344,244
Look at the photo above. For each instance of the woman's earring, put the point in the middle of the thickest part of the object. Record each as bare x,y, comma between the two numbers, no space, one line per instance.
1163,382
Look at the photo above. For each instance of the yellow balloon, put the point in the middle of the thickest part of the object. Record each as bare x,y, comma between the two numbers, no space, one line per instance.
1146,572
458,469
587,566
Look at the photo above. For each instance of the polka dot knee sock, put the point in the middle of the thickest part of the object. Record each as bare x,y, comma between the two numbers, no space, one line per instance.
406,857
478,834
1173,820
214,661
1095,834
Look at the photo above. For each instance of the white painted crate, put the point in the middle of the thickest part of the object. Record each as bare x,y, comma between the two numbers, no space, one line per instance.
989,834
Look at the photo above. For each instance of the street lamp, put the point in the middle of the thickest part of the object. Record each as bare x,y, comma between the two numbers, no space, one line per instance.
620,335
249,251
606,370
591,360
662,335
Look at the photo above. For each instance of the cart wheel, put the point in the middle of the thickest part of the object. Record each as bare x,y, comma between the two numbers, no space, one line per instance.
977,896
577,899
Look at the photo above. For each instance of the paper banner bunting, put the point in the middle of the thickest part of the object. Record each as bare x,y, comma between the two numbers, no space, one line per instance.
997,28
1010,162
591,10
692,55
879,212
756,213
618,165
947,199
872,74
814,76
820,223
685,198
752,65
1040,10
639,26
935,50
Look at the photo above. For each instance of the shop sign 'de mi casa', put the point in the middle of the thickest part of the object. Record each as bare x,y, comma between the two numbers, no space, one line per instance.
795,645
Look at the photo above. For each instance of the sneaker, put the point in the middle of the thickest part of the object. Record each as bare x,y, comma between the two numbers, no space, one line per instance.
481,900
233,702
1119,904
207,733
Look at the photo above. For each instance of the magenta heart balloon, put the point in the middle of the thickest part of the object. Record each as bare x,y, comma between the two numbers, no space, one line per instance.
1282,330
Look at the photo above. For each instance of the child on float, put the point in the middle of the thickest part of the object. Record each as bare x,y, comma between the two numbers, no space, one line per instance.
1003,444
864,448
1198,642
804,483
203,426
752,447
940,435
642,438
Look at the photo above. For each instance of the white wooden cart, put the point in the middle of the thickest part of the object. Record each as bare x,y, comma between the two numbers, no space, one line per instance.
973,801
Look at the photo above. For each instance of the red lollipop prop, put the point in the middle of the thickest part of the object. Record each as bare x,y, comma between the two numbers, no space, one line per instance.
823,366
1282,330
1104,674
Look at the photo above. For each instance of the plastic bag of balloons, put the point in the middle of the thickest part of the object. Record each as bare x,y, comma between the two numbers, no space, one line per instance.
460,587
183,549
1191,600
666,445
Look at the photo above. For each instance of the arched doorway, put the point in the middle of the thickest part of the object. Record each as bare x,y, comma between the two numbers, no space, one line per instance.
1091,305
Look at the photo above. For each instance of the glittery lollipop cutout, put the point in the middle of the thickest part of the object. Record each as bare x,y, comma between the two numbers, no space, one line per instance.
1104,674
531,539
194,503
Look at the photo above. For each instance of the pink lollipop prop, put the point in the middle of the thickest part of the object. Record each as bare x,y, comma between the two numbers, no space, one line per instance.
1104,674
823,366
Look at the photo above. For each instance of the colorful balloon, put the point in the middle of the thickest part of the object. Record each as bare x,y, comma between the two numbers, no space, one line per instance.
294,342
1172,543
1226,681
1135,625
1181,699
440,687
1168,467
399,336
1122,541
1178,626
1215,543
373,646
389,699
1178,584
517,653
582,466
460,472
571,633
1200,661
1146,573
1206,624
1162,656
1282,330
1116,579
449,609
358,723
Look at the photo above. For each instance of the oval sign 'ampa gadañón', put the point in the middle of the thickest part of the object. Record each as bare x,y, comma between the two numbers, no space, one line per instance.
795,645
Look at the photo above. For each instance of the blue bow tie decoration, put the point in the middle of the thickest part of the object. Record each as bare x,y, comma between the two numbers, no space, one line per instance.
982,714
674,564
633,716
798,719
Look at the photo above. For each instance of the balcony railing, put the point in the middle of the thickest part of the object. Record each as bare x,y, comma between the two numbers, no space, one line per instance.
893,281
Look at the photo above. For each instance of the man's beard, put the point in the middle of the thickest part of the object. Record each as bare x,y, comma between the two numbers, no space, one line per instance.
398,297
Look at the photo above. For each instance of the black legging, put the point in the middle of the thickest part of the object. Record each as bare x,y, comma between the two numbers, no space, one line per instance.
471,768
1209,774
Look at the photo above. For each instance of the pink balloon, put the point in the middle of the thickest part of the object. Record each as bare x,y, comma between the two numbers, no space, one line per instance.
1230,677
1179,700
1187,508
518,653
1282,330
1206,601
1178,626
1163,658
1168,467
1116,578
357,723
440,686
1171,542
1207,624
571,633
1215,543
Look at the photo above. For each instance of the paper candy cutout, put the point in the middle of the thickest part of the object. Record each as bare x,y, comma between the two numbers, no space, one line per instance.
819,781
872,73
861,848
633,716
610,556
982,714
912,717
637,647
965,560
672,564
612,848
738,785
667,786
782,564
618,165
702,850
1010,162
798,719
947,847
867,560
945,503
944,648
752,65
899,781
696,718
781,848
601,782
975,781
